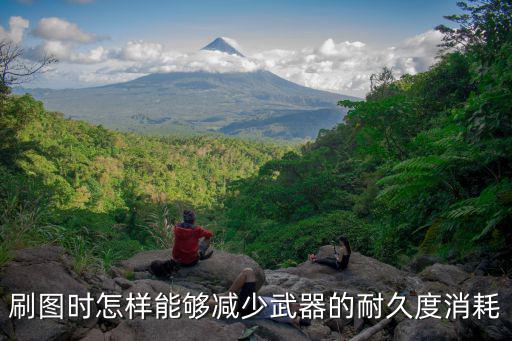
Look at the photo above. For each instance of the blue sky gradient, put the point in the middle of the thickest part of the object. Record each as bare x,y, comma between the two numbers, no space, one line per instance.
184,25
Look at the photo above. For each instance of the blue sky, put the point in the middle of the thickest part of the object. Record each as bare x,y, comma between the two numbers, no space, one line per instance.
258,26
275,23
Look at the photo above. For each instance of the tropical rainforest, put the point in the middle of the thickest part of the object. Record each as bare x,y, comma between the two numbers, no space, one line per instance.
421,166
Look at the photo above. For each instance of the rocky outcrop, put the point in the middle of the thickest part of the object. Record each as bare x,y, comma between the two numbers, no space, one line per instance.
364,273
271,330
182,329
486,328
214,274
48,269
425,330
450,275
43,270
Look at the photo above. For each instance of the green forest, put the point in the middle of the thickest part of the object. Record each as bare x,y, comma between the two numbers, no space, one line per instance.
421,166
106,195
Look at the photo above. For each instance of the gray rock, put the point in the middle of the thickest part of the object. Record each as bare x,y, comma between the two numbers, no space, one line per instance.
123,282
95,335
142,260
486,328
425,330
318,332
450,275
364,274
271,290
100,283
218,271
176,329
6,327
44,270
42,254
420,262
271,330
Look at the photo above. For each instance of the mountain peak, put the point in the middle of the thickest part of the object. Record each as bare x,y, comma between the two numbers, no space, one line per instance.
222,44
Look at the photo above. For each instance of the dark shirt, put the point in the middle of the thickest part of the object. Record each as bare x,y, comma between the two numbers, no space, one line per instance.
342,265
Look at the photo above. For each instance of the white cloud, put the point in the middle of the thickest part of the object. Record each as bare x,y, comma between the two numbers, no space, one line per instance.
345,67
139,51
62,30
65,52
17,27
152,57
342,67
233,43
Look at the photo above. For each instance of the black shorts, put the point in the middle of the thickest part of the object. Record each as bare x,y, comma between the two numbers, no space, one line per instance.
247,292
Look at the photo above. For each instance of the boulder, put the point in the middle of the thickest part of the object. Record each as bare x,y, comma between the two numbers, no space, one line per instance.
123,283
272,330
271,290
100,283
96,335
450,275
486,328
6,326
420,262
176,329
142,260
215,273
295,284
425,330
44,270
318,332
363,273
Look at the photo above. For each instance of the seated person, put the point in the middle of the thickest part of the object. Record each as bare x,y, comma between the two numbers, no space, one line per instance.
245,287
336,262
191,241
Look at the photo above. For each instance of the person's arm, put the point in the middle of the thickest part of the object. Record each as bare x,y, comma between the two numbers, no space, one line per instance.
206,234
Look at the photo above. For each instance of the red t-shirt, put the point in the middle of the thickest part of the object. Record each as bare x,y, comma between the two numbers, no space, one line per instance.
186,243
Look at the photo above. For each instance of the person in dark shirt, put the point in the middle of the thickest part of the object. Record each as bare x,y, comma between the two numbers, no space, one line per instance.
340,260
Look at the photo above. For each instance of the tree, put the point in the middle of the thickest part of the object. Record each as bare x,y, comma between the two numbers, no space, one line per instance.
15,69
484,27
380,84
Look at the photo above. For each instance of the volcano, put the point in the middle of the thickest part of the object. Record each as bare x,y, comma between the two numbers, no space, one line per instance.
221,44
256,104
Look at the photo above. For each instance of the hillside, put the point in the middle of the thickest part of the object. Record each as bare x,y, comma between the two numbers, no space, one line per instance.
199,101
105,194
422,166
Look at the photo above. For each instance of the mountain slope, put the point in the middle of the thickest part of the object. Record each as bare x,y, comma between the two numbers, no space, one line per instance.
220,44
245,103
200,101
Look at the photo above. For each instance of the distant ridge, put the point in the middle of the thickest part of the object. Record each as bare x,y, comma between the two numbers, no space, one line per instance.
257,103
220,44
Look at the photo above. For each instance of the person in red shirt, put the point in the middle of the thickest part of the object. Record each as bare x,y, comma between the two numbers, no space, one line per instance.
191,241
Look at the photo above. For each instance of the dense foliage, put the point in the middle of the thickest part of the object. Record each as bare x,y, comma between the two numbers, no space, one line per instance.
105,195
423,165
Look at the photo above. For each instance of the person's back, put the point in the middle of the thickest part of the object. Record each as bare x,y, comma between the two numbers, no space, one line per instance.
187,236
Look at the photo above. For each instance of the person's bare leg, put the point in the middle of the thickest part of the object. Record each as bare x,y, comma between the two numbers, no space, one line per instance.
246,276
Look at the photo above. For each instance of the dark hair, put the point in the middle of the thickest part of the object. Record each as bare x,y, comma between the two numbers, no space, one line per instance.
189,216
345,242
